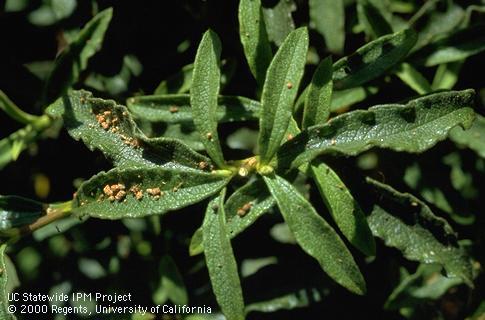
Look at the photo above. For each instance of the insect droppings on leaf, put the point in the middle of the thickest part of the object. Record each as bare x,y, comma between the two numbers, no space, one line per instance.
153,191
137,192
244,209
120,195
107,190
202,165
115,192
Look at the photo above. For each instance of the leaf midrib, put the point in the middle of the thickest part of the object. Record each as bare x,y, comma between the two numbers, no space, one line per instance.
418,126
280,98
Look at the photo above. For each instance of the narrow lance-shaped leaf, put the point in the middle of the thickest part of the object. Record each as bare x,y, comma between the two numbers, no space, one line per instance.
473,138
204,93
375,24
74,58
413,78
14,111
328,18
342,99
279,92
456,47
252,31
108,127
171,283
246,205
220,261
319,95
279,21
339,201
373,59
345,98
418,233
316,237
439,22
345,211
426,284
178,83
182,80
16,212
414,127
176,108
4,310
15,143
446,75
134,193
299,299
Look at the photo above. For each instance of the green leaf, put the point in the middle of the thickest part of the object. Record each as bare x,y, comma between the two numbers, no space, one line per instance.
14,111
250,267
424,285
279,92
242,209
372,18
171,283
108,127
446,75
414,127
52,11
220,261
328,18
413,78
246,205
134,193
473,138
300,299
343,99
345,211
183,132
196,245
4,311
182,80
317,101
15,143
278,20
116,84
440,23
16,212
316,237
418,234
178,83
204,93
15,5
373,59
175,108
422,179
456,47
252,31
74,59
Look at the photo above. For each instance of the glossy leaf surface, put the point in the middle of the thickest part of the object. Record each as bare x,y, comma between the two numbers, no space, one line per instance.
315,236
414,127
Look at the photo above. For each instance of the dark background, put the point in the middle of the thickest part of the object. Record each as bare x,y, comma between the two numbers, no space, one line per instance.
152,30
